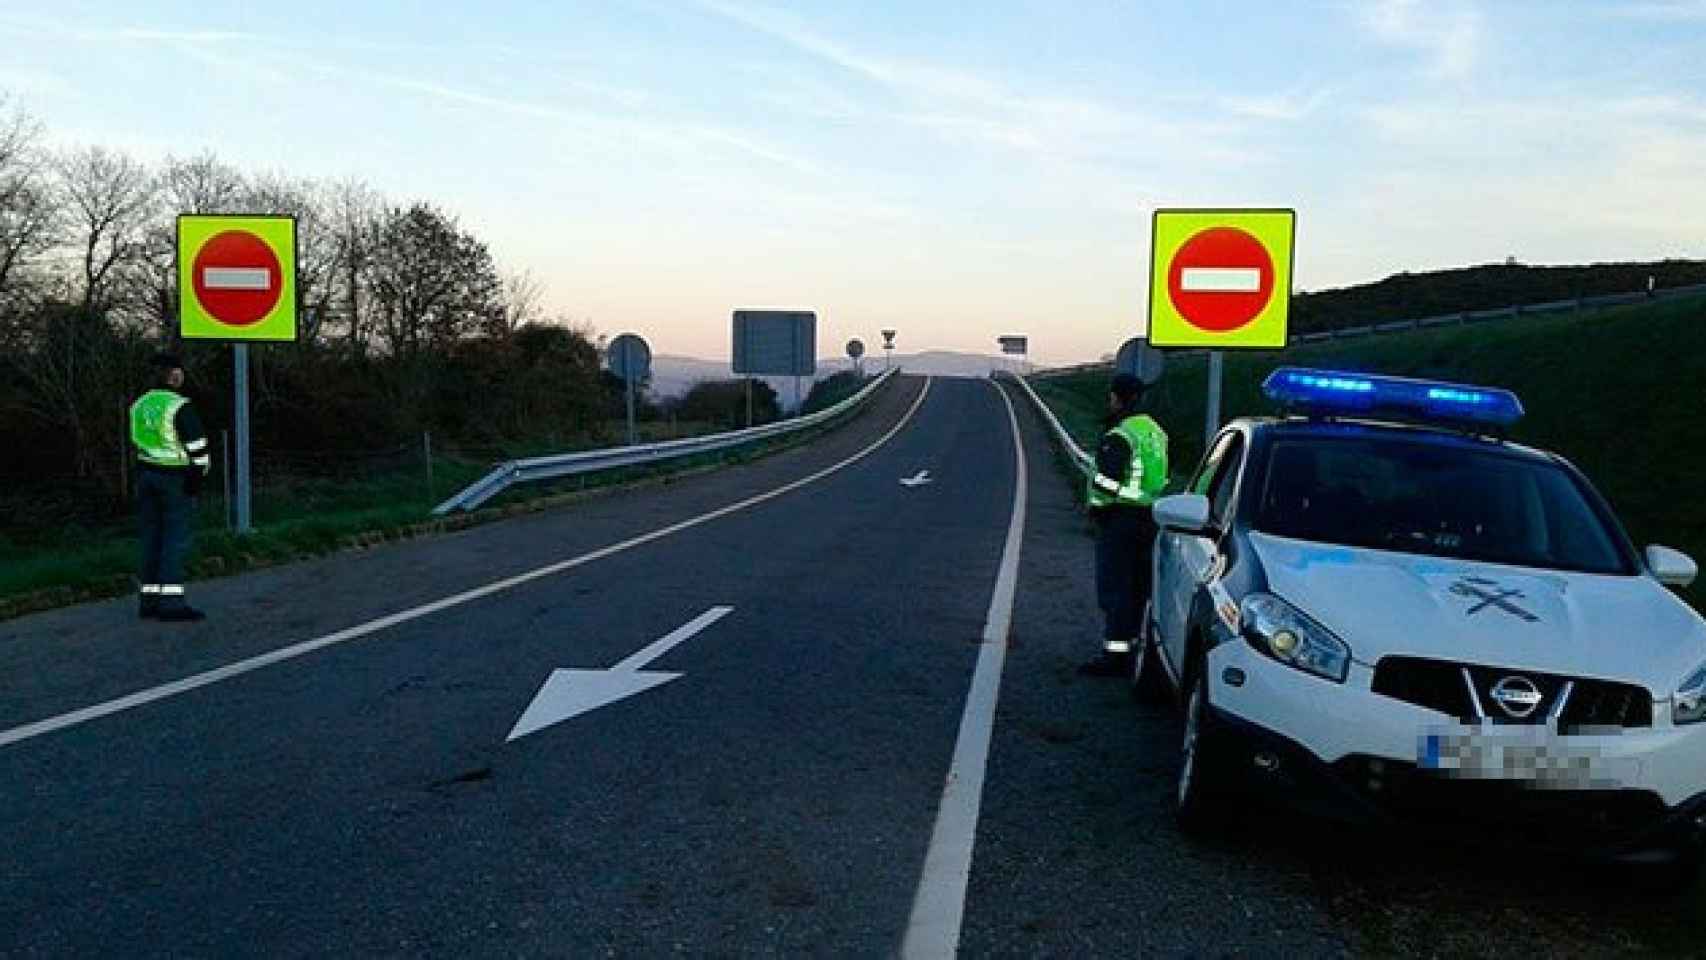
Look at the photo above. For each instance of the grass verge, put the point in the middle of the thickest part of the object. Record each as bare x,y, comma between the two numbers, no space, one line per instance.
1618,392
309,518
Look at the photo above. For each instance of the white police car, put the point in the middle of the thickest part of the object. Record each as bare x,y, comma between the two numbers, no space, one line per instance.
1379,608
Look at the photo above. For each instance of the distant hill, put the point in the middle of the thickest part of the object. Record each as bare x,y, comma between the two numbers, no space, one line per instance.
1406,296
674,376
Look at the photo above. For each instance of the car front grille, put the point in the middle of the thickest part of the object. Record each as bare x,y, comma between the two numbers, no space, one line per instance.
1440,685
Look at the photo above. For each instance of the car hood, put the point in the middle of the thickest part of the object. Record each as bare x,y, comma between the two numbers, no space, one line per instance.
1628,628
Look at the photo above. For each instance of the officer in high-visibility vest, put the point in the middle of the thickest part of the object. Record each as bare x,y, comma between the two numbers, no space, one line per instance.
1131,470
172,460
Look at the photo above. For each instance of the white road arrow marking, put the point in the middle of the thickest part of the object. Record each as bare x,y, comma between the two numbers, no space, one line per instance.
922,477
570,693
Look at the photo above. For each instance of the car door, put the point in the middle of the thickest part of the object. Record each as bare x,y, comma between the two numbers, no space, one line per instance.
1180,558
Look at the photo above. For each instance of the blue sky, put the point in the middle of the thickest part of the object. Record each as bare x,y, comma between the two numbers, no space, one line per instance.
954,170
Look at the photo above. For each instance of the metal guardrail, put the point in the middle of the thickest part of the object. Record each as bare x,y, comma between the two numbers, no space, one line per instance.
1084,461
512,472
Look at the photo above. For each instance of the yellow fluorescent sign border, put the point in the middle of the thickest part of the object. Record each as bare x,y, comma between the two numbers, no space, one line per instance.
1274,228
277,232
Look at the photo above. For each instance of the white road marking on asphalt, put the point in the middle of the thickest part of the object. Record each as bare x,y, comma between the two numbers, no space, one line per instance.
161,692
236,278
939,906
922,477
570,693
1220,280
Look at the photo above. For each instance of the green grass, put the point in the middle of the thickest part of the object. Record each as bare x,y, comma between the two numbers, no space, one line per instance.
1620,392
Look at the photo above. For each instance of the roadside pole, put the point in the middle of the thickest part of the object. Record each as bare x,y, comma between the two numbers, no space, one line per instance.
749,401
240,356
633,435
1214,378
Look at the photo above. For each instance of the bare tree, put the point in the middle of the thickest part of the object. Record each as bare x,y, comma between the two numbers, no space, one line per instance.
199,184
317,242
356,211
431,282
523,298
28,218
108,195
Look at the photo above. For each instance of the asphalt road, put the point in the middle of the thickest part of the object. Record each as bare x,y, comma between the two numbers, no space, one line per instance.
776,798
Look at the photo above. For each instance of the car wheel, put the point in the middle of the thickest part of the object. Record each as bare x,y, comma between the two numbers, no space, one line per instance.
1145,681
1675,876
1199,793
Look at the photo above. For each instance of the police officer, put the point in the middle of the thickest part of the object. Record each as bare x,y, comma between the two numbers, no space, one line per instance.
1131,470
172,458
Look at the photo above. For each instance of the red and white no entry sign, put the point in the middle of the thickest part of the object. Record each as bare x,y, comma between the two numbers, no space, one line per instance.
1221,279
237,277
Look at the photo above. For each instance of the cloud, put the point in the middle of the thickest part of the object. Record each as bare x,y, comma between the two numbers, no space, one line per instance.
1448,32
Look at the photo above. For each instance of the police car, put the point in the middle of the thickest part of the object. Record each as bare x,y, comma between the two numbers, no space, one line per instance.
1379,608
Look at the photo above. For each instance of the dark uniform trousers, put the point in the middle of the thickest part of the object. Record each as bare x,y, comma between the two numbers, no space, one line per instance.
163,507
1124,546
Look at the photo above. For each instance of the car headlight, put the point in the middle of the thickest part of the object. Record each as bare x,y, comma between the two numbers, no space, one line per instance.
1285,633
1689,703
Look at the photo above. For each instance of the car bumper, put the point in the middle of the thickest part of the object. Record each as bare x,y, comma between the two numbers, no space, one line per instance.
1345,752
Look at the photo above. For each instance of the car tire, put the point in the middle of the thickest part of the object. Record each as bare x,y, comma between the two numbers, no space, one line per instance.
1145,671
1675,876
1199,793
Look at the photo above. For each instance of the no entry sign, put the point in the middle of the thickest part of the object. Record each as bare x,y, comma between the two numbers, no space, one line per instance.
1221,278
237,277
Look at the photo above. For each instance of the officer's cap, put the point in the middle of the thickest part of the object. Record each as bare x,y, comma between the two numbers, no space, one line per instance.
1126,387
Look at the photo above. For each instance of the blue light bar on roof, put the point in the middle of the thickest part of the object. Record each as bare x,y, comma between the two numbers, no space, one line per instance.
1332,393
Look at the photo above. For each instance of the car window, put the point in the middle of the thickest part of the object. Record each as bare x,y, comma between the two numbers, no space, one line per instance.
1437,500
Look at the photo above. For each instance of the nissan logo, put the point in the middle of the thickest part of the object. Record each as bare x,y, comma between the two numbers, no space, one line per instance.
1517,696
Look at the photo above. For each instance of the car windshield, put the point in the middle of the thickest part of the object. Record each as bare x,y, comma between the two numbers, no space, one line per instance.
1394,494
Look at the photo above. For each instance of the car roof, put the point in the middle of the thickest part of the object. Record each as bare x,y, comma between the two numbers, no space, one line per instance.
1337,427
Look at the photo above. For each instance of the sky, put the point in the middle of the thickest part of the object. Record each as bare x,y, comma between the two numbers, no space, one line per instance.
955,171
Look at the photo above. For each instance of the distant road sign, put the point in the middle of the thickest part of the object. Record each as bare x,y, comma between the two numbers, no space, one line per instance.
855,348
888,339
1139,359
629,358
1013,343
237,277
1220,278
775,342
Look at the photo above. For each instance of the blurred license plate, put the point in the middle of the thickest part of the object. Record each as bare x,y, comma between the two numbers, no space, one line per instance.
1529,754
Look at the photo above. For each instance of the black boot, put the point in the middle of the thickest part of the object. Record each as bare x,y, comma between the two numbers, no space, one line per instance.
148,608
180,614
1106,665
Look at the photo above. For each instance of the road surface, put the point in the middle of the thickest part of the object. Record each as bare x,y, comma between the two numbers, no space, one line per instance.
337,761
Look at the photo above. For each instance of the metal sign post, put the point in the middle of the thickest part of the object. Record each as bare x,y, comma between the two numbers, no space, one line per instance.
1214,376
237,282
240,357
633,433
631,359
888,349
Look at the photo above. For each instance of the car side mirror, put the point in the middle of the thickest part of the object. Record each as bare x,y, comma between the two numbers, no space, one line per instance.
1183,512
1673,568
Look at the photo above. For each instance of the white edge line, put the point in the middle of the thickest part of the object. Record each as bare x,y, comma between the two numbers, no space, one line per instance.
938,908
196,681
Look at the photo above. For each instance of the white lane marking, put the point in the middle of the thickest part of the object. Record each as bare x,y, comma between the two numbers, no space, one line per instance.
569,693
939,906
236,278
921,477
137,699
1220,280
